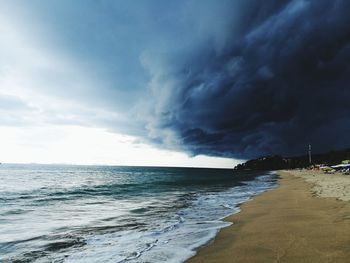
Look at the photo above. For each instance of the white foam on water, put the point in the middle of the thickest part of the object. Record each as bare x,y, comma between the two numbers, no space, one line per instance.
177,239
109,215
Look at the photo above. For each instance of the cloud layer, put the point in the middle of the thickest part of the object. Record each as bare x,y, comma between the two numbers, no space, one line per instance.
221,78
271,80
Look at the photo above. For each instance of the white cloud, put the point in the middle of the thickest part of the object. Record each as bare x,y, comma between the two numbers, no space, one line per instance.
82,145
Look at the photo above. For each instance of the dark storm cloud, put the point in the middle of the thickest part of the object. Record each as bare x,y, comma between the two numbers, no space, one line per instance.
264,77
236,78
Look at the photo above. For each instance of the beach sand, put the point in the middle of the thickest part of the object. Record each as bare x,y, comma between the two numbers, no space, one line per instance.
288,224
327,185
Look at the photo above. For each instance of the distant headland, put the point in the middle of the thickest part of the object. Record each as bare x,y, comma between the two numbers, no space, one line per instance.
277,162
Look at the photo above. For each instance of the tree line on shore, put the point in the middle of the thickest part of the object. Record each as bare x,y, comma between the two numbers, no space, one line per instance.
278,162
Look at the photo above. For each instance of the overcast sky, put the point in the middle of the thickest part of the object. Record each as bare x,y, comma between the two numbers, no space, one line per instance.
75,82
188,82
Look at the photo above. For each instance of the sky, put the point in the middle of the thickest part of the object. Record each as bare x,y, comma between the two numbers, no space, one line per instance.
175,83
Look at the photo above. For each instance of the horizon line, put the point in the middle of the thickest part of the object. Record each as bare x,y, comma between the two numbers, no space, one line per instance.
117,165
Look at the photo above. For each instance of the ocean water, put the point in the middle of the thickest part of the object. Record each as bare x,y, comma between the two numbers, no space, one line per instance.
116,214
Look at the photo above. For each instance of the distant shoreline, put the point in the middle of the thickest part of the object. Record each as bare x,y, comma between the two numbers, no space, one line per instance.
118,165
288,224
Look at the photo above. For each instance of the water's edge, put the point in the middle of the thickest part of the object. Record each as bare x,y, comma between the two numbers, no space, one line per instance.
226,218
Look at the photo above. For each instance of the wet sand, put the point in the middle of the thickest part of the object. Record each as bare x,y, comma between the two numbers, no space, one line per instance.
287,224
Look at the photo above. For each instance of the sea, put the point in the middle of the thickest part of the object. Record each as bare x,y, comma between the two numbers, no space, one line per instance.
66,213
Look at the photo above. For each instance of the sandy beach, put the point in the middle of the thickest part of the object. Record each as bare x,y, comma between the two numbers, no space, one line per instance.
327,185
305,219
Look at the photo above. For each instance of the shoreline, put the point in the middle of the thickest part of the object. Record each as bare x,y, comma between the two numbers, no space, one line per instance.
284,225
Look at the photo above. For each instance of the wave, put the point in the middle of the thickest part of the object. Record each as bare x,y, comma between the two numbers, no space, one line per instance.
145,216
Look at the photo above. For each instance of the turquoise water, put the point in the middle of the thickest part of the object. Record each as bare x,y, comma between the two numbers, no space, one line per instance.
52,213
